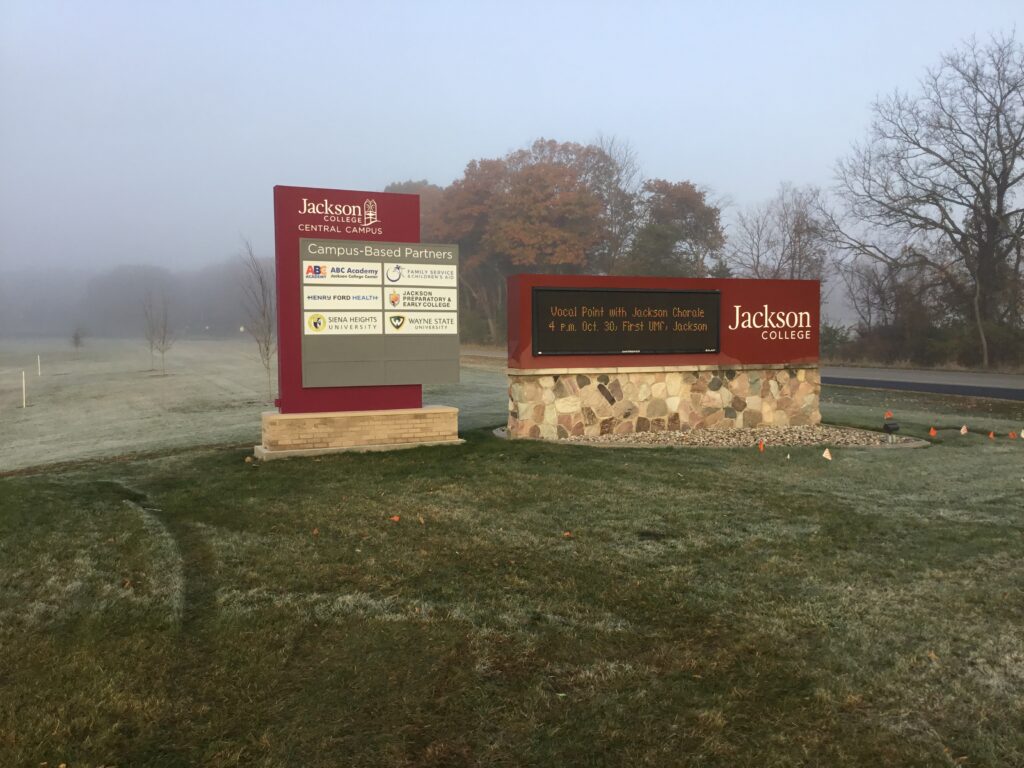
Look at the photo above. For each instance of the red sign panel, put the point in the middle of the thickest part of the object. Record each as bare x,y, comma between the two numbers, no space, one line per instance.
590,321
332,214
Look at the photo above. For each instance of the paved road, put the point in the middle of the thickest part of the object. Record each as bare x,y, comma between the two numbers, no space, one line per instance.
1002,385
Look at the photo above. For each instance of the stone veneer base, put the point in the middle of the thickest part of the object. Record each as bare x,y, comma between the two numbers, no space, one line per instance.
315,434
552,405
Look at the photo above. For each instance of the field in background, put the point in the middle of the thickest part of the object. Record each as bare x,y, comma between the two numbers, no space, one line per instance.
103,399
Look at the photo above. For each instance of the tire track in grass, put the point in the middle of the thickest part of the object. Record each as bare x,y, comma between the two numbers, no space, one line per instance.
193,594
198,564
168,551
192,675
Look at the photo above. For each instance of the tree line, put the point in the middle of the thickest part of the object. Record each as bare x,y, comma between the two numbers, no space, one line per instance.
923,230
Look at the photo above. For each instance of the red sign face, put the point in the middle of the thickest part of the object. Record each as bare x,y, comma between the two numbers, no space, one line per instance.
332,214
559,321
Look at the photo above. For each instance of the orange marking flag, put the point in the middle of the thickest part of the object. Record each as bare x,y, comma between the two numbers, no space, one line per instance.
933,432
963,430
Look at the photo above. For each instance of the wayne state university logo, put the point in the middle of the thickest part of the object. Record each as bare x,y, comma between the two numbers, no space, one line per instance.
364,215
397,321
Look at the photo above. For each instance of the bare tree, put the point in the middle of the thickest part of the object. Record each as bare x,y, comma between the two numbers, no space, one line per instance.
938,182
618,182
158,330
258,299
149,311
785,239
78,338
880,293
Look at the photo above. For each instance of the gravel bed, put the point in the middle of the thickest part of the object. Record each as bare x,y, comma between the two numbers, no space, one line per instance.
749,438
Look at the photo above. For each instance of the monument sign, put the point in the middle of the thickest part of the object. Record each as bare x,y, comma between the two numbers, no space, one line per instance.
592,355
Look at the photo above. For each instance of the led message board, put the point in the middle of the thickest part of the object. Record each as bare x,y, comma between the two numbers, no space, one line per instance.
622,321
598,321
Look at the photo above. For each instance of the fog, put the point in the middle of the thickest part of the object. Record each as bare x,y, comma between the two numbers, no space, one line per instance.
151,135
154,133
202,303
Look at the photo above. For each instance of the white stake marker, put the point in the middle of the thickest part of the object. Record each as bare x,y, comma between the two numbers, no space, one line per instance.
39,365
23,400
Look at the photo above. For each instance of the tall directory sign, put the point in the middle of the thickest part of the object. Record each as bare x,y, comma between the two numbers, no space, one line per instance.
366,313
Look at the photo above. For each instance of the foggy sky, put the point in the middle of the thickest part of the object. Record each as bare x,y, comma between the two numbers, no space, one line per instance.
153,133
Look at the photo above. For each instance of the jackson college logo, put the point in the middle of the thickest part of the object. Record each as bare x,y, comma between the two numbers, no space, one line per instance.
370,213
359,218
775,325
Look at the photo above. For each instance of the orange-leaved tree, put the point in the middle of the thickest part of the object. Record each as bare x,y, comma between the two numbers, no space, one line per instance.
529,211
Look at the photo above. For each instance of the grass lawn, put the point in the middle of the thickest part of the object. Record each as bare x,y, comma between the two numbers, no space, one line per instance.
532,604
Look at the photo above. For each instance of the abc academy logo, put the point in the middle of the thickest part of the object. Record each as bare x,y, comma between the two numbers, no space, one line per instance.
316,272
317,322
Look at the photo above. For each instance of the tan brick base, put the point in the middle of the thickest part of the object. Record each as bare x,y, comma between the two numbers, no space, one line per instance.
311,434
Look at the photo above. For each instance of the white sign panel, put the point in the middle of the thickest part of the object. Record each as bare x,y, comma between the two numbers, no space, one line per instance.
342,323
341,273
421,274
399,298
330,297
421,323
